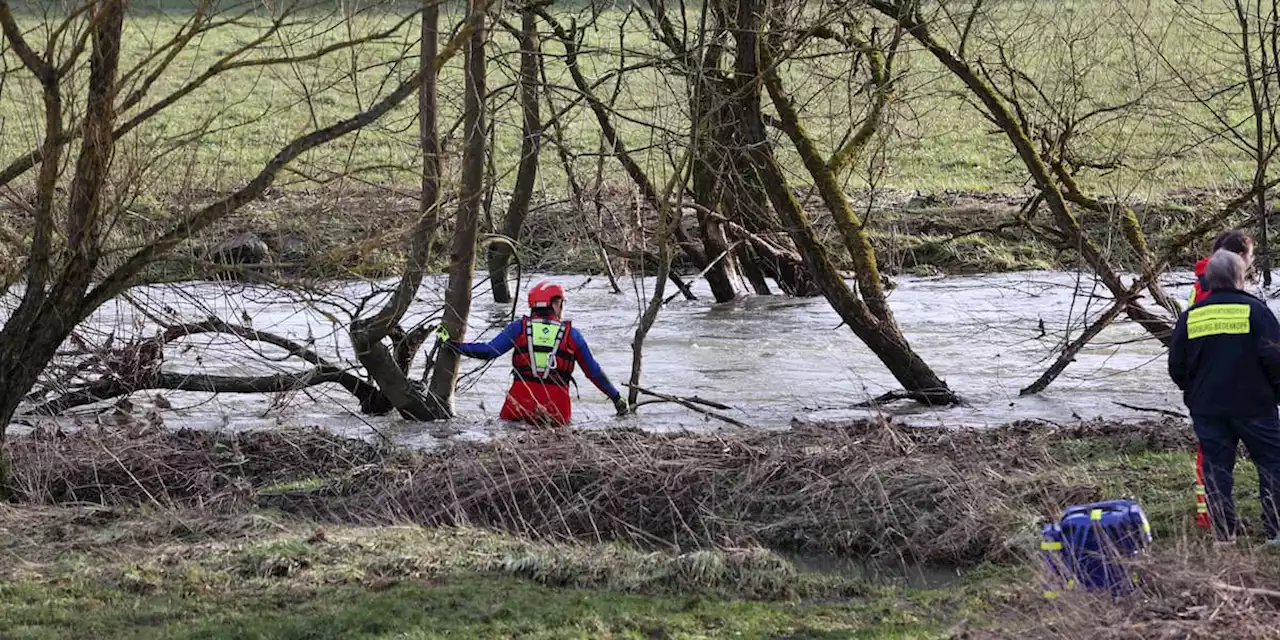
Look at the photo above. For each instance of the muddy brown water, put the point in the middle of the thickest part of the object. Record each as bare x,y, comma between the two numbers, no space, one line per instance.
773,358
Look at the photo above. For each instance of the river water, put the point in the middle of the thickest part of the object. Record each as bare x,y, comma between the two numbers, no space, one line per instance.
774,359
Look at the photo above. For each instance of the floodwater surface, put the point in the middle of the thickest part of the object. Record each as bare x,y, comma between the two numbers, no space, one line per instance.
774,359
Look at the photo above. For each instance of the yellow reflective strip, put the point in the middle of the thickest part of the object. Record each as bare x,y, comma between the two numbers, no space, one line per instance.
1202,508
1217,320
1050,594
1051,546
1096,514
1191,298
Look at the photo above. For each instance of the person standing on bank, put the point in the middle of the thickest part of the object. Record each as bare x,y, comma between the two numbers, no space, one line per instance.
1238,242
546,351
1225,357
1235,241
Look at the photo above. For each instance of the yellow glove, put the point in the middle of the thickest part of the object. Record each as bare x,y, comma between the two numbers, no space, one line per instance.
442,334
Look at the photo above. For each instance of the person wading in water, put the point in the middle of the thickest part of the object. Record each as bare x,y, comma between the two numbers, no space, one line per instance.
547,349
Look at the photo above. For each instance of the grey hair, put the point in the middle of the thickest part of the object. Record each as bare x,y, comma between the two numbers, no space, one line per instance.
1226,270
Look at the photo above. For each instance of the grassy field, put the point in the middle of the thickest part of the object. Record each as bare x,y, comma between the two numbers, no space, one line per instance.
1084,53
187,575
125,565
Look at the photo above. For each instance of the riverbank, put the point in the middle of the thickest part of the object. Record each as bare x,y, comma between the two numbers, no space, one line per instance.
598,534
356,232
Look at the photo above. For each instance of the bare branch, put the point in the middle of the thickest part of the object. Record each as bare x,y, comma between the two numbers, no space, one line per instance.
123,276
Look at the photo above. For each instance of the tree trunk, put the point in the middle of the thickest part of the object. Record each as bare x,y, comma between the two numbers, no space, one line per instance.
708,136
457,295
720,274
748,212
856,240
788,271
750,266
531,143
25,348
367,335
668,218
883,338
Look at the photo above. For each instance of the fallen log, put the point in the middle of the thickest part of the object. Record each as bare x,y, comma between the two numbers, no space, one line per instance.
371,399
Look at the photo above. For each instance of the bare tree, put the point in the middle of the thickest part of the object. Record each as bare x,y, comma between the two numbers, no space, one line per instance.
1229,72
1008,97
435,401
65,274
869,317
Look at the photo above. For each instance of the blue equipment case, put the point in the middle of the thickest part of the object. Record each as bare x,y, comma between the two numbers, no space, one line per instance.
1092,546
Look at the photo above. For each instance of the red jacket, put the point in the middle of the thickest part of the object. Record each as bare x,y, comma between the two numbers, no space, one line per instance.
1198,291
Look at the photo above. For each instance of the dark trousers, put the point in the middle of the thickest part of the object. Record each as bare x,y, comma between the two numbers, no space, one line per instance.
1219,438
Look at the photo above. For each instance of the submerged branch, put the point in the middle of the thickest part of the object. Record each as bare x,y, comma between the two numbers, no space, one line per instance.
141,372
691,404
109,388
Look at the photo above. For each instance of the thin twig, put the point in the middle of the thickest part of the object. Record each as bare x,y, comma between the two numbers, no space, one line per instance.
1252,591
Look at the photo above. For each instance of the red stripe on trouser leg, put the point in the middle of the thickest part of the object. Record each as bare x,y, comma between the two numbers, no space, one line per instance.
1202,504
537,403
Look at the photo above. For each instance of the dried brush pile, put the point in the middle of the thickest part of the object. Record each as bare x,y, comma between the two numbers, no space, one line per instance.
174,468
1188,592
871,488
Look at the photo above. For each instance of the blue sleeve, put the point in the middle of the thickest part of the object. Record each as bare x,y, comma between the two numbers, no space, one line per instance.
1178,353
500,344
1268,331
591,367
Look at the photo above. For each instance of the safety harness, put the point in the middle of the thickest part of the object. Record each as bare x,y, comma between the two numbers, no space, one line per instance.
544,357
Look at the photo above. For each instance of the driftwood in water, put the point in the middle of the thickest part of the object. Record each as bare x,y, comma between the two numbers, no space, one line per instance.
140,371
940,397
695,404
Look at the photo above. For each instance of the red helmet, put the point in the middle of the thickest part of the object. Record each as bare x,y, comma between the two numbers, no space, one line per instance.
543,293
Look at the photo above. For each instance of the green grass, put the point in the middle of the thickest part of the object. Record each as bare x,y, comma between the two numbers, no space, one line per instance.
466,609
1084,53
417,583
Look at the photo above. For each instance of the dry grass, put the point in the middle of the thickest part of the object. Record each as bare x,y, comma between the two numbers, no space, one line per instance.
1189,591
867,489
